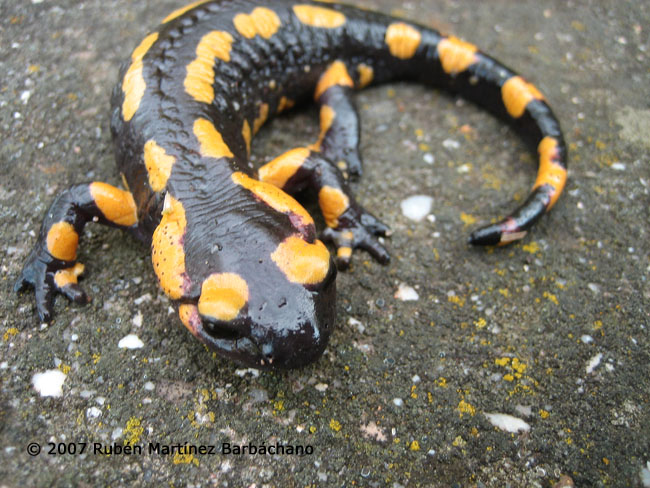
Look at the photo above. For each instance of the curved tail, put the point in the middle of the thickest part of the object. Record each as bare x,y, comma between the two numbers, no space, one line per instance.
409,51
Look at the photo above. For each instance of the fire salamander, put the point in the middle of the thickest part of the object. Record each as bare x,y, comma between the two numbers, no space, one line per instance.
230,247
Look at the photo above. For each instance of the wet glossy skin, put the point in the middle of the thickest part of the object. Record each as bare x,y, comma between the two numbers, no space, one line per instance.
238,255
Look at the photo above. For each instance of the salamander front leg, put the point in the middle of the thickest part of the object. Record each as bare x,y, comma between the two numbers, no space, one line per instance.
52,266
349,224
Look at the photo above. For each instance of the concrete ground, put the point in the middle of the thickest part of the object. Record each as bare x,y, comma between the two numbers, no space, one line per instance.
552,331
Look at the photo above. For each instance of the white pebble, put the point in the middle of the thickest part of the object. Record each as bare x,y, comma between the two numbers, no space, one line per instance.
321,387
416,207
406,293
618,166
593,363
587,339
93,413
49,383
450,144
137,319
398,402
429,158
507,422
130,341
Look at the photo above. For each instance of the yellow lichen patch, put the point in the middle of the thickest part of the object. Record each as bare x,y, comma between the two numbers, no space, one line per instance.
159,165
336,74
189,315
550,172
117,205
327,116
200,72
456,55
133,84
247,135
278,171
403,40
68,276
261,117
285,104
212,144
261,21
167,253
517,93
302,262
178,12
273,197
464,407
319,16
223,295
333,202
366,75
62,241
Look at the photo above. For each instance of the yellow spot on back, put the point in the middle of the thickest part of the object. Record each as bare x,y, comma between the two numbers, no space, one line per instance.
301,262
167,253
178,12
261,21
117,205
159,165
212,144
68,276
456,55
278,171
62,241
550,172
223,295
336,74
366,75
247,135
261,118
319,16
517,93
272,196
200,72
333,202
402,39
133,84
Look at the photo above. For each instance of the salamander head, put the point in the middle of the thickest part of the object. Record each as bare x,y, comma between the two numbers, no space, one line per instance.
273,312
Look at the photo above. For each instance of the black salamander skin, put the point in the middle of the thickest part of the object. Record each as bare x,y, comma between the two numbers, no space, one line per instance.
233,250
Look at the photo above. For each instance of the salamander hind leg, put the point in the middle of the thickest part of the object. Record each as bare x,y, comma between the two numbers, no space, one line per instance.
52,266
349,225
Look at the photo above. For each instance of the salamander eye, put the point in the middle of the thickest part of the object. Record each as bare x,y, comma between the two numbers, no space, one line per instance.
220,329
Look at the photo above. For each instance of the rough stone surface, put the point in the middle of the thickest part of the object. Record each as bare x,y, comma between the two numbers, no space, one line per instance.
507,330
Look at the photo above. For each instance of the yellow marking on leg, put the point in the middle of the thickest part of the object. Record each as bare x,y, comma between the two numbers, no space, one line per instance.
261,21
159,165
456,55
200,72
517,93
167,252
344,252
550,172
273,197
189,315
178,12
223,295
212,144
133,84
247,135
117,205
366,75
402,40
333,203
68,276
285,104
278,171
327,116
302,262
261,118
336,74
62,241
319,16
124,182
